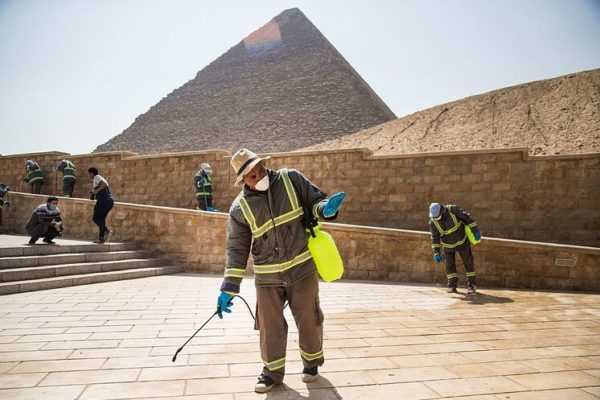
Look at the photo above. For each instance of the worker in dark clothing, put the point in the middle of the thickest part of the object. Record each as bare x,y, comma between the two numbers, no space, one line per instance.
266,218
4,202
69,177
45,222
447,226
203,185
34,177
104,203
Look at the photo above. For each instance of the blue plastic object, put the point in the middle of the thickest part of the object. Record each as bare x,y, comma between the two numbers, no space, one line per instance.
333,204
438,258
477,235
223,303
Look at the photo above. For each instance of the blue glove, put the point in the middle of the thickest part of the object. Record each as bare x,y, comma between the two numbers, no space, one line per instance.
210,209
477,235
333,204
438,258
223,303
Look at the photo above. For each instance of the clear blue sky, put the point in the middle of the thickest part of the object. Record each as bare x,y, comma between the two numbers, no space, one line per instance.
74,73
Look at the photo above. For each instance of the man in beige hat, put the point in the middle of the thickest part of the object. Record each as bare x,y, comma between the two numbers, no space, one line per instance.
268,219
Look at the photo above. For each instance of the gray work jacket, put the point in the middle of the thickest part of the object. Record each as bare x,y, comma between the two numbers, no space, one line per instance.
270,225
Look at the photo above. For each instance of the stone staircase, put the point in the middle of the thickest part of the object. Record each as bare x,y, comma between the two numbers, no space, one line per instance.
39,267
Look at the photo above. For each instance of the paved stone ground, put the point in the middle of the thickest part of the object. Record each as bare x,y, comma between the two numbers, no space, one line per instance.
383,341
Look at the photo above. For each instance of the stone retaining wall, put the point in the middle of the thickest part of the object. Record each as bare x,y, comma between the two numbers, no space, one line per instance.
512,195
196,240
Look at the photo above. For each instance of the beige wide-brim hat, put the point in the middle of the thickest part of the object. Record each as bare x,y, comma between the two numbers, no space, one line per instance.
243,161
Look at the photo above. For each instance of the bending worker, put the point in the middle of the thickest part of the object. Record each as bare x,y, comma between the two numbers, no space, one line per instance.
203,185
34,177
266,218
447,226
69,177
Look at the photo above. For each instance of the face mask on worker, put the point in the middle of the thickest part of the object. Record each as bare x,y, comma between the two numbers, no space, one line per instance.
263,184
51,206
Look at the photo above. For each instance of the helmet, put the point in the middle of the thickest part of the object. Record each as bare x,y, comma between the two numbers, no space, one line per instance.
434,210
206,168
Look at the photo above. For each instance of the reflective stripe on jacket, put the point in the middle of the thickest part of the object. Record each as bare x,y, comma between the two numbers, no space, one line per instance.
449,231
34,173
68,170
203,185
269,225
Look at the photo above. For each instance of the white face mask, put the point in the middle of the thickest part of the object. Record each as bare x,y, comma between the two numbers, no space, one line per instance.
263,184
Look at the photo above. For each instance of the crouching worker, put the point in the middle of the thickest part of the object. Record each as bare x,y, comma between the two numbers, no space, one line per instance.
45,222
266,219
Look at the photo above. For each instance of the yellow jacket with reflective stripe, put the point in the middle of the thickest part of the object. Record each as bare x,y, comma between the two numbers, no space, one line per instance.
269,225
449,231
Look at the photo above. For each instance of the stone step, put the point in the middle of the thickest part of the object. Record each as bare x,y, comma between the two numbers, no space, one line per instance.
45,249
84,279
50,271
69,258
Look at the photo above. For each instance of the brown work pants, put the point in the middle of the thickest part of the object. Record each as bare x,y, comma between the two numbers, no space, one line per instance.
303,298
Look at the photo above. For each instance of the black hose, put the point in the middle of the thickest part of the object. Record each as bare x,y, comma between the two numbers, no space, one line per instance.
217,311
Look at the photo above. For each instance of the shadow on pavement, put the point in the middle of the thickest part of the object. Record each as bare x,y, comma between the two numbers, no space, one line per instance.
321,389
482,298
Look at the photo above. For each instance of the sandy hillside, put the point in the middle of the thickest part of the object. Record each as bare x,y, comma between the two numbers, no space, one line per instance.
553,116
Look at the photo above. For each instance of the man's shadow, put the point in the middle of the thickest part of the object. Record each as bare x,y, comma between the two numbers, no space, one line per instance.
482,298
321,389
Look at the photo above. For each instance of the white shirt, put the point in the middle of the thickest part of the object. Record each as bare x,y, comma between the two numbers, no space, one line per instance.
98,179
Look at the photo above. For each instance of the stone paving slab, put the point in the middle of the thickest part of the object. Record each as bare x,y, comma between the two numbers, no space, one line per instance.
115,340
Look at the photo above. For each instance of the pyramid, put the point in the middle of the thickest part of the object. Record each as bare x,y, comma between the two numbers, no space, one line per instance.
284,87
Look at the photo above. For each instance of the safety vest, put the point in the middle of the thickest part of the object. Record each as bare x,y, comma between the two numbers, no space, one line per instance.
204,187
35,175
295,212
69,172
457,224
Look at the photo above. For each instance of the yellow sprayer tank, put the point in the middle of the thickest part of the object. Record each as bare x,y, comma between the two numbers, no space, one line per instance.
326,255
470,235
